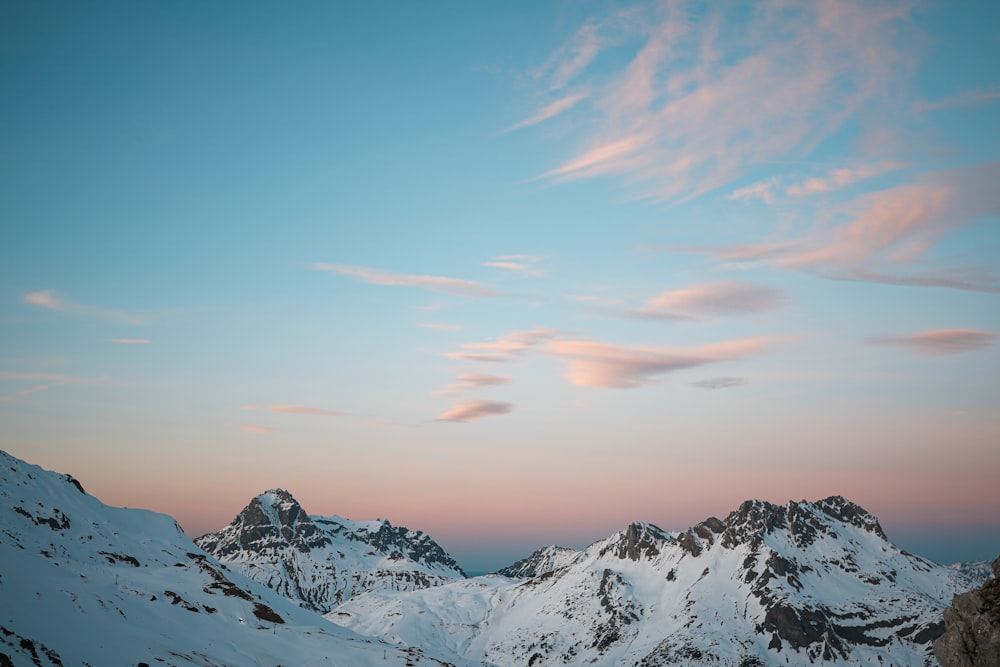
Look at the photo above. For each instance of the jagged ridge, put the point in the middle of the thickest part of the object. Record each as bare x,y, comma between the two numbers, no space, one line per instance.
320,562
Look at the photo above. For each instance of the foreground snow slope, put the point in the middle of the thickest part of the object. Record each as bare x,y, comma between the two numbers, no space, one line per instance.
320,562
82,583
805,583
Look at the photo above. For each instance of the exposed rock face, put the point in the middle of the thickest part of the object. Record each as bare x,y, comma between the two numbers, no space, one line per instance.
972,627
542,561
321,562
796,584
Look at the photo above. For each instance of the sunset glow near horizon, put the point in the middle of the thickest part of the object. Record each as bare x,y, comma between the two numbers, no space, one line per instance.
512,274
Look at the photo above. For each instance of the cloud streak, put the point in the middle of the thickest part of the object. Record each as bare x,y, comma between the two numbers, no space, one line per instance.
442,284
875,236
940,342
474,381
687,115
718,298
549,111
130,341
50,301
719,383
596,364
47,380
506,349
475,410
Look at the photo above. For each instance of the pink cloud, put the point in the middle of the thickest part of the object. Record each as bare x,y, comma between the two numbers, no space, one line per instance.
872,236
457,286
705,98
251,428
596,364
839,178
517,263
718,298
130,341
473,381
939,342
505,349
474,410
550,111
763,190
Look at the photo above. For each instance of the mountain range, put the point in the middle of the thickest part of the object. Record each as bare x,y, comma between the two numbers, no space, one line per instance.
803,583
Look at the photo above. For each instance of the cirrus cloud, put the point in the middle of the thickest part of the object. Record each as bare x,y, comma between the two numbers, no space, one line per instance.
939,342
443,284
596,364
49,300
475,410
505,349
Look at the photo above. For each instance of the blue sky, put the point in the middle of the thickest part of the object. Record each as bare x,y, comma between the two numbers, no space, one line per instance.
511,274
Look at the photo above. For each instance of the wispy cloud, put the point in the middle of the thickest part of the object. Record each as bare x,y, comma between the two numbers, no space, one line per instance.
253,428
839,178
474,410
875,236
550,110
446,285
524,264
49,300
473,381
719,383
718,298
939,342
687,114
595,364
762,190
964,99
505,349
130,341
45,382
296,410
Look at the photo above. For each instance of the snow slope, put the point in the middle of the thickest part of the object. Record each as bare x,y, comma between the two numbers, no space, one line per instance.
82,583
799,584
322,561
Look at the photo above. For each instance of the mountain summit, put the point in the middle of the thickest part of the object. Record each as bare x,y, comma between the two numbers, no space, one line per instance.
800,583
321,562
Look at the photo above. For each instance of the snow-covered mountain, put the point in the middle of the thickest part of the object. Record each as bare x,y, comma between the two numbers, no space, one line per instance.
541,561
321,562
804,583
83,584
979,570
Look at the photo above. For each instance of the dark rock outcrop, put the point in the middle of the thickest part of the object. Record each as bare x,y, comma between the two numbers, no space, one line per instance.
972,627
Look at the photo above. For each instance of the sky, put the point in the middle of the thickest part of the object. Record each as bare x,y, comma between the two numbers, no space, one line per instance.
512,274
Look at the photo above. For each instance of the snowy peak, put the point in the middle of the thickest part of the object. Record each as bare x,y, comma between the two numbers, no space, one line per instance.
541,561
271,521
639,540
320,562
82,583
804,521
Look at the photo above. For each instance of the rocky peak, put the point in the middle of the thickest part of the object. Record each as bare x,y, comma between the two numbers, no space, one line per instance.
638,540
842,509
751,521
274,519
541,561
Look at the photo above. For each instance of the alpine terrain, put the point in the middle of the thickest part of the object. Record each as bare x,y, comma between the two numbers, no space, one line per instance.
799,584
84,584
321,562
